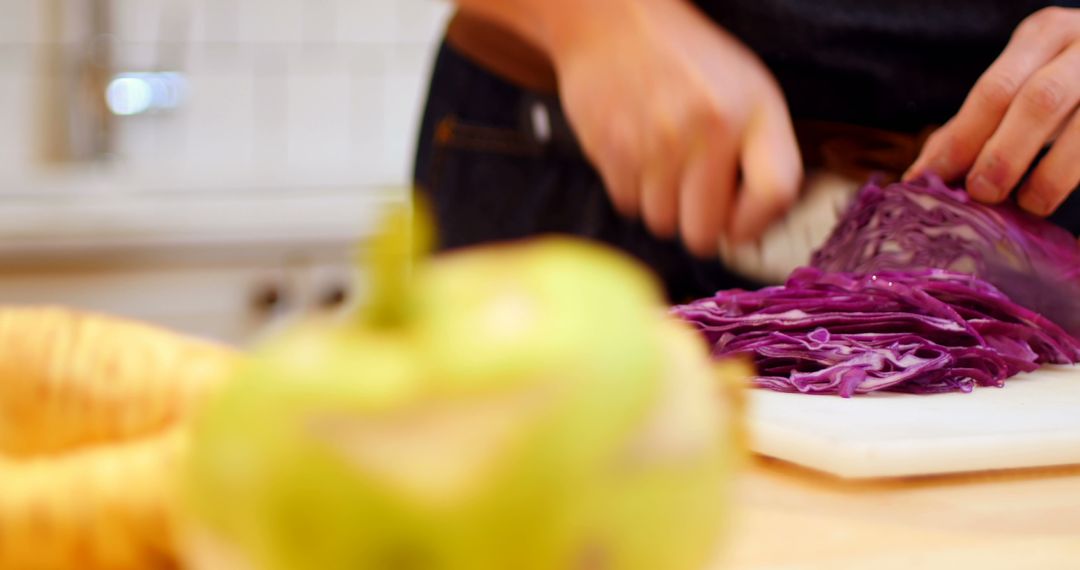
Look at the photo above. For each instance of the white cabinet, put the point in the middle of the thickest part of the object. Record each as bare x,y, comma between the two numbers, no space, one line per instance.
226,264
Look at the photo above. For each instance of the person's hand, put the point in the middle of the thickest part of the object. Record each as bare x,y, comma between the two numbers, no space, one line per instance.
1025,100
686,126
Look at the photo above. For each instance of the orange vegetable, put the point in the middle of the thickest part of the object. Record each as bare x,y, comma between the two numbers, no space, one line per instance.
100,507
93,420
69,378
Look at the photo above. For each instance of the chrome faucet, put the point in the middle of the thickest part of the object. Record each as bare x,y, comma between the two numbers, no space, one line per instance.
87,92
78,62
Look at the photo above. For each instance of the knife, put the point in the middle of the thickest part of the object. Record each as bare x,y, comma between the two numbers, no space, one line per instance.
1034,283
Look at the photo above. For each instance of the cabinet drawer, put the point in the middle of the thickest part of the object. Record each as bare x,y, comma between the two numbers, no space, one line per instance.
233,303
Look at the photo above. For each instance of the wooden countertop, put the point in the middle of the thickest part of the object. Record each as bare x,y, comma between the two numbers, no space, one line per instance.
793,519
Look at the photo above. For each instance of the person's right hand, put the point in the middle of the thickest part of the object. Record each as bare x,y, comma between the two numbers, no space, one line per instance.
686,126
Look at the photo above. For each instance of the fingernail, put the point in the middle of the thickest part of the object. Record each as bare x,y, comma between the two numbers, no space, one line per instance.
939,167
1034,202
983,190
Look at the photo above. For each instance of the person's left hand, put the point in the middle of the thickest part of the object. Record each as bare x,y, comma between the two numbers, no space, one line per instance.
1027,99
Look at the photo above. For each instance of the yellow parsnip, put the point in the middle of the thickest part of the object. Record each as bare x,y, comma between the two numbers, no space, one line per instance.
69,379
106,507
93,421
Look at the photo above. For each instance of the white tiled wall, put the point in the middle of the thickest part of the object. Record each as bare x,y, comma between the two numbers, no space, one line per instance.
18,80
296,85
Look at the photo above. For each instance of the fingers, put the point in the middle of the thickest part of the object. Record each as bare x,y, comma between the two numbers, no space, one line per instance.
952,150
660,186
771,174
617,158
706,192
704,204
1044,102
660,201
1057,175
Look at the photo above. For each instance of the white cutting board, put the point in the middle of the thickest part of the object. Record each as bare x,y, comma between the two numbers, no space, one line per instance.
1034,421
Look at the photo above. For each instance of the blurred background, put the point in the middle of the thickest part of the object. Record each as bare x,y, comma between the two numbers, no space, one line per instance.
209,165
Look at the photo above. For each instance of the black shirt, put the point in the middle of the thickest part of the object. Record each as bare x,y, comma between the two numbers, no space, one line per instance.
893,64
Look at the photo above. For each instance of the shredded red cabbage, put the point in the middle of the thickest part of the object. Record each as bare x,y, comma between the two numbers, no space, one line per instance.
913,331
892,304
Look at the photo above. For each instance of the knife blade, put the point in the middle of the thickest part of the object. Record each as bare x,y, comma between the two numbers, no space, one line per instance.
1035,284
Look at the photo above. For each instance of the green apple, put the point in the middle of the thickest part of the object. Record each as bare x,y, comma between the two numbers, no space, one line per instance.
524,406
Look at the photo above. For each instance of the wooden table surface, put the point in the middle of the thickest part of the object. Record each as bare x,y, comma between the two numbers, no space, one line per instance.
793,519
